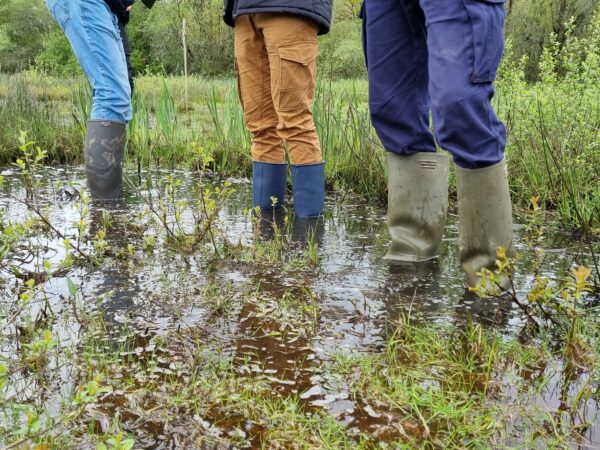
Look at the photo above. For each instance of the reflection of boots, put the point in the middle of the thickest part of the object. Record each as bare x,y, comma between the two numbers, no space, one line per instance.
413,288
308,183
307,230
417,205
104,150
490,311
485,217
268,180
271,223
112,219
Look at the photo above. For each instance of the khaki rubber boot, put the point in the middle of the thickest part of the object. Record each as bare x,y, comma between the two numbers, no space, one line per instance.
104,151
417,205
485,218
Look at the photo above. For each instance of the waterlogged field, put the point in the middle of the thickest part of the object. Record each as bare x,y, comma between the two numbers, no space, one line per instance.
179,319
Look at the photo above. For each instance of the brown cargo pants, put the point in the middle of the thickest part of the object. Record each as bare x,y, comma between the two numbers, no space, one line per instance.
275,59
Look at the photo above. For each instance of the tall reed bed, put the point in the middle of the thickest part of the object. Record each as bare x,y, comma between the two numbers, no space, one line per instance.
44,111
553,129
355,159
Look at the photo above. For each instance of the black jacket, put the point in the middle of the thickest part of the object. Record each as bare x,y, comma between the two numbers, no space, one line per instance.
119,8
317,10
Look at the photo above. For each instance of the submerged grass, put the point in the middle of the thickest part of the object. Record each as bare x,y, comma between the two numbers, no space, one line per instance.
432,388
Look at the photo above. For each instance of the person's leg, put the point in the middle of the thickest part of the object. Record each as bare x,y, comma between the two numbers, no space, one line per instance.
269,178
93,32
254,86
127,51
465,42
291,43
395,44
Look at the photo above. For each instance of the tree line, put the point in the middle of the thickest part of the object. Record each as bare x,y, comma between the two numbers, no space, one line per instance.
30,39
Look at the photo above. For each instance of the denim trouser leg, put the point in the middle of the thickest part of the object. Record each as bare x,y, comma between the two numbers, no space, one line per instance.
454,47
395,44
93,31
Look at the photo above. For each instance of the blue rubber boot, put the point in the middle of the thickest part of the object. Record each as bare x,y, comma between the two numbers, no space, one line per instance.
268,180
308,185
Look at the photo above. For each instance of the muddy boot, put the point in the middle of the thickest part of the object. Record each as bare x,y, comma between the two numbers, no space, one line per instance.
308,185
417,205
485,218
269,183
104,150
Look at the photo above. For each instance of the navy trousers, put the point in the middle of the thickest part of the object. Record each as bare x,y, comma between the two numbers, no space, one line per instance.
438,57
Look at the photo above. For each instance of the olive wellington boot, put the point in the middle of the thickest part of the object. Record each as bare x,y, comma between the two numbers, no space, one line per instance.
417,205
485,218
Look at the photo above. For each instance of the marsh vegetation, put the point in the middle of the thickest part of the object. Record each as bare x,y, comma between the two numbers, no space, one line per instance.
180,318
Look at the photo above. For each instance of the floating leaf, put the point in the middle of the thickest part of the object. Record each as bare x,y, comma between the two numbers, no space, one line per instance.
72,287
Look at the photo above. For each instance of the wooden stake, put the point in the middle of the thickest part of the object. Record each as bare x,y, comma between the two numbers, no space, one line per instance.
185,68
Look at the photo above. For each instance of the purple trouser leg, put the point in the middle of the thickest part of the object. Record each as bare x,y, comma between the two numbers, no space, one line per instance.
445,50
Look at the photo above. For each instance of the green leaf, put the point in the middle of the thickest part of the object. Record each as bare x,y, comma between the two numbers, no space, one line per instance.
72,287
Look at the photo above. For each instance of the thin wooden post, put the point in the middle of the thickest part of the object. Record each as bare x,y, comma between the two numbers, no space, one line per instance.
185,67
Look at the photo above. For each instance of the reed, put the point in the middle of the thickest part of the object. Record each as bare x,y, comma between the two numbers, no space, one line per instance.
553,132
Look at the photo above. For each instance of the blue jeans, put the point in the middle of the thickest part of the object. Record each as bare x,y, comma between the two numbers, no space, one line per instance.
93,31
438,56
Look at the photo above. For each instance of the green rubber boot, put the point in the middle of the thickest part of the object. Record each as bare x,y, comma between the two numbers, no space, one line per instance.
417,205
485,218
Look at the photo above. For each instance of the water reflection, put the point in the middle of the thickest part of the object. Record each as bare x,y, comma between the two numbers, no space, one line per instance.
297,315
117,283
349,242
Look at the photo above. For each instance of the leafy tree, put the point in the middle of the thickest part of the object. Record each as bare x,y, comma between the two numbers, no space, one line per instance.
57,56
532,23
23,27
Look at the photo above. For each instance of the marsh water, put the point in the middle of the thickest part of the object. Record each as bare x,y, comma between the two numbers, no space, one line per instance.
354,295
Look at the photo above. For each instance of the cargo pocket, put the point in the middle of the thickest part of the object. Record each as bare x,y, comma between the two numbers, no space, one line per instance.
59,9
487,33
297,67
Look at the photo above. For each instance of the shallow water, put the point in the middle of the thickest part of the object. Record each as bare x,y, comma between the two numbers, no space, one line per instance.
354,293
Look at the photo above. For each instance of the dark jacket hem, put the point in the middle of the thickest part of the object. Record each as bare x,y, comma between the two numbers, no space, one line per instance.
323,22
